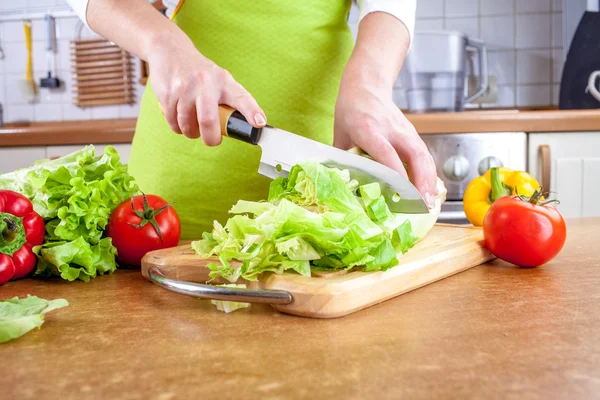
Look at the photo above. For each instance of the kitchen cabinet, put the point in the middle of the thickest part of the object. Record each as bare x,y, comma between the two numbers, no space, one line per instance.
12,158
570,163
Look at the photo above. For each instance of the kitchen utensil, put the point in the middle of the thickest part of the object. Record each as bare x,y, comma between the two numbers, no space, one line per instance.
435,74
103,73
446,250
582,60
28,86
591,88
50,81
282,150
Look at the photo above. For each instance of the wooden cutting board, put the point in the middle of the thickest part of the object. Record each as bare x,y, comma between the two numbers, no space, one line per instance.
446,250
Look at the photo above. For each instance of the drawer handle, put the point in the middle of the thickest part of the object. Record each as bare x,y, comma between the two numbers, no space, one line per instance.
546,160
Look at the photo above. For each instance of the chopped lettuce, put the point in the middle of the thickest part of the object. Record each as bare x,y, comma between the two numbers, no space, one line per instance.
19,316
317,218
75,195
230,306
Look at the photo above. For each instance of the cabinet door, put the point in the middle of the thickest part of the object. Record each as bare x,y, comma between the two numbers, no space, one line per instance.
12,158
574,169
59,151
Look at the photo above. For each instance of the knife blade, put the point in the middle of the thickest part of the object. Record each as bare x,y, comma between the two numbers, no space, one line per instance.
281,150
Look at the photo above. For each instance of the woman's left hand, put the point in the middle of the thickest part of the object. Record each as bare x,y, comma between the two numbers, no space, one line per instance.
366,116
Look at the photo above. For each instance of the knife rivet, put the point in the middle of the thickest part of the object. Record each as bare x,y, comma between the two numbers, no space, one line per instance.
396,198
278,168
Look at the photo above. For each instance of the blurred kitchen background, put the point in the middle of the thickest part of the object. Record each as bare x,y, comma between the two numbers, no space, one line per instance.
526,44
515,66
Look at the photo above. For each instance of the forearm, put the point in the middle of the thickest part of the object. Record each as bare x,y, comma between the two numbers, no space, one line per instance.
134,25
381,46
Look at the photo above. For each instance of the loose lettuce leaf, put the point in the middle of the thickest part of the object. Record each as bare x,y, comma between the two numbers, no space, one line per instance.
75,195
19,316
317,218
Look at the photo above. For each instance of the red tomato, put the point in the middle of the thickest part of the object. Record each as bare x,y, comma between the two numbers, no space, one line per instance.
7,268
523,232
133,228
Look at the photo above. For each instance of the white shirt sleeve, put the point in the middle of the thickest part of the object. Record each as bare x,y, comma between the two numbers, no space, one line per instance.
80,8
404,10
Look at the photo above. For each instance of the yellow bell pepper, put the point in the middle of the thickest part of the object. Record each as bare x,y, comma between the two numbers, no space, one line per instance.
495,183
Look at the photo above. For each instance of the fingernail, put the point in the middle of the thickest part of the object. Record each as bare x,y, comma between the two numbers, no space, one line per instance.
260,120
429,200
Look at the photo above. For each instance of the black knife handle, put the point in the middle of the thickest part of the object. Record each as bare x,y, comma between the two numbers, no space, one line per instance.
234,125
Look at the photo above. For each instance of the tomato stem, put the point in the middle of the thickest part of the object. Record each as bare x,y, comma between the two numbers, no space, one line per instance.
148,215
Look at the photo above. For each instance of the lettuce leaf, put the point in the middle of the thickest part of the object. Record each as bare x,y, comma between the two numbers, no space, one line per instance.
75,195
317,218
19,316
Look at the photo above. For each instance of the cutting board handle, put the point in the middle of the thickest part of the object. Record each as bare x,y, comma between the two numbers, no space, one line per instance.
219,292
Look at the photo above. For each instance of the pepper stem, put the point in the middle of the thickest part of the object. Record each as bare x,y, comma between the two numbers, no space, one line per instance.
499,189
12,234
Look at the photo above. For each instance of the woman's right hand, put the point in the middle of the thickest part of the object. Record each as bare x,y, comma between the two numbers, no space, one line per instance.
190,87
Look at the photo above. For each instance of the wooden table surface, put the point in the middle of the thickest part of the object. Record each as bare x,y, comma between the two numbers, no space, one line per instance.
494,331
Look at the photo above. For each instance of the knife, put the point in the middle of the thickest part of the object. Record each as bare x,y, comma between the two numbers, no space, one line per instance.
281,150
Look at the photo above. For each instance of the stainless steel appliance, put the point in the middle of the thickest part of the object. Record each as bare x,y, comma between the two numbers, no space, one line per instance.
435,73
462,157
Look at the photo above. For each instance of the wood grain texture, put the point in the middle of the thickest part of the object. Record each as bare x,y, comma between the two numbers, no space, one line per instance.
492,332
446,250
545,121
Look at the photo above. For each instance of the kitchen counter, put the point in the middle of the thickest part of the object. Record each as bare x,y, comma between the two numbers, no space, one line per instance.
494,331
122,130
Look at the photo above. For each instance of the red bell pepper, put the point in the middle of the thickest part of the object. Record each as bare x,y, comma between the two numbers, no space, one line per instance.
21,228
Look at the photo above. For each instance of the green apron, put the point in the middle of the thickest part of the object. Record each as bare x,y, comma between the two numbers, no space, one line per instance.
289,55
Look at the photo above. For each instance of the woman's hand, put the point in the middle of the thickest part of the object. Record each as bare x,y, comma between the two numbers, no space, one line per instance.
365,114
190,88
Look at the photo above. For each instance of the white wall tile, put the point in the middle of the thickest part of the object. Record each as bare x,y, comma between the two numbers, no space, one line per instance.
557,64
12,31
534,66
48,112
1,64
65,81
468,26
15,94
65,28
399,98
524,6
429,24
15,57
557,30
501,64
533,31
498,32
462,8
41,3
555,94
557,5
129,111
430,9
354,13
72,112
63,55
497,7
105,112
505,97
538,95
9,5
18,113
39,58
38,29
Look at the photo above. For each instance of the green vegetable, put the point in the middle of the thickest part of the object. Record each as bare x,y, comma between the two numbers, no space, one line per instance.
313,220
75,195
19,316
230,306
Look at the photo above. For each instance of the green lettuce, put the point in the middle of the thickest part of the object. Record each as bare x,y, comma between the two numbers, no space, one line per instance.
75,195
19,316
316,218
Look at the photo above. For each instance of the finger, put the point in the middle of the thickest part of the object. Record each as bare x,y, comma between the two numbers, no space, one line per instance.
237,97
421,166
170,113
207,109
187,119
381,150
